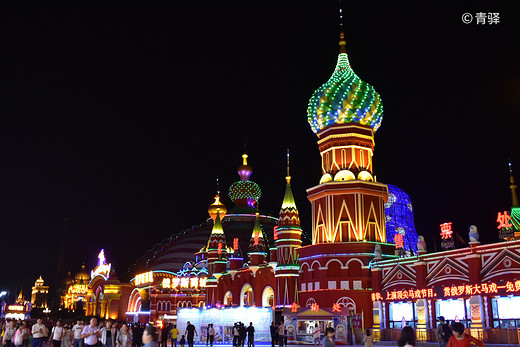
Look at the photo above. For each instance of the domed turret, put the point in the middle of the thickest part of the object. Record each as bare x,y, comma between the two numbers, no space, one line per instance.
245,193
217,208
82,275
344,98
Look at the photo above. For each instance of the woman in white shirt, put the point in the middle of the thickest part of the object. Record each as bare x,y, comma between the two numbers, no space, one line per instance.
57,334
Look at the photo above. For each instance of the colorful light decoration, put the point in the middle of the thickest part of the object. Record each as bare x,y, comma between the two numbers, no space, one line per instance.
245,190
399,218
102,269
344,98
235,244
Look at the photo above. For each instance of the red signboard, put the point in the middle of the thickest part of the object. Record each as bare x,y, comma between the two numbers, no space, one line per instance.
504,220
446,232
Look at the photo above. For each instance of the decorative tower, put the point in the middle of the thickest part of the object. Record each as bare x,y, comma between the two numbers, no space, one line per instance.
216,253
287,239
39,294
347,205
245,193
515,206
348,213
257,245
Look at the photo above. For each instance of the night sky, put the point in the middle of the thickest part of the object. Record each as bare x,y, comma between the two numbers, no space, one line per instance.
120,117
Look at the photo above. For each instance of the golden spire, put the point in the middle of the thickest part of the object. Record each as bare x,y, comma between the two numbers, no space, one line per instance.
514,197
244,159
342,41
288,177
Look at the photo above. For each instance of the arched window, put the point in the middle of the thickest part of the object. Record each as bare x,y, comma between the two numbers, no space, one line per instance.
268,297
246,295
188,304
228,298
310,302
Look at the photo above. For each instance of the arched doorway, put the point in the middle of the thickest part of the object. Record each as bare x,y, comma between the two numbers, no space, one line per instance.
268,297
228,298
246,295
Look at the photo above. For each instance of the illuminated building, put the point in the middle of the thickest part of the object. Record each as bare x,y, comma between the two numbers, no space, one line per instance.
107,296
39,294
75,290
21,309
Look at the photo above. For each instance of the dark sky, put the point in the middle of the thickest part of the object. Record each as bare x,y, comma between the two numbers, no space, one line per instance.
119,117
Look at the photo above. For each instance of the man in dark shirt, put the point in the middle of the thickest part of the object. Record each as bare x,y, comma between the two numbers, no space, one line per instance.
274,334
191,332
250,335
242,331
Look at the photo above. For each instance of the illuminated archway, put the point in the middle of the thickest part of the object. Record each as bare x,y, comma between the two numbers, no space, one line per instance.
347,302
228,298
246,295
268,297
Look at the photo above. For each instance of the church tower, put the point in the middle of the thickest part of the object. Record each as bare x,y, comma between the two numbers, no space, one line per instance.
288,236
347,205
348,215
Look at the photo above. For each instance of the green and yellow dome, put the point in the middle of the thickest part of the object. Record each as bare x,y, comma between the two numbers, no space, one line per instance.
344,98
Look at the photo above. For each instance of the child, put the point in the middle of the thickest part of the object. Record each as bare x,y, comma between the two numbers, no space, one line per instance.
183,341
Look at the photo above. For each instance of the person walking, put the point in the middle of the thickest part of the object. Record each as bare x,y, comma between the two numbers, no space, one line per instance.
211,334
328,340
242,331
76,332
407,338
274,334
20,334
108,335
191,332
182,341
250,335
281,334
461,339
316,334
165,333
174,333
38,331
67,338
236,334
369,338
149,338
9,333
137,335
443,332
56,334
124,337
90,333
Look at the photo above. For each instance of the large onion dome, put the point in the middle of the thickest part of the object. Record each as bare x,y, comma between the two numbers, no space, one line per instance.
82,275
245,193
344,98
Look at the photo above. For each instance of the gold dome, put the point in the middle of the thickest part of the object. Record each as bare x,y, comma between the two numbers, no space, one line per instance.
82,275
215,207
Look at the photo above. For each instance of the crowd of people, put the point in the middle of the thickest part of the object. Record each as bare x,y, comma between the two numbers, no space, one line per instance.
18,333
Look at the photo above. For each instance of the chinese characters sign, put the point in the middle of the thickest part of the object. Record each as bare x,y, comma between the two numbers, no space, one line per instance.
510,287
447,236
505,226
143,278
235,244
184,283
399,240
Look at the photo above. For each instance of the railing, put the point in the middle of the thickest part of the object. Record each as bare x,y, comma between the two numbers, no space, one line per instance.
511,337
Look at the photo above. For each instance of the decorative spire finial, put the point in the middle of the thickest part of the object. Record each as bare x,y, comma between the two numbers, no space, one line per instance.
288,177
514,196
218,187
342,41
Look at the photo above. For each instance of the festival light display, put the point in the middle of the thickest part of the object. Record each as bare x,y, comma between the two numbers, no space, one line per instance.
235,244
102,268
344,98
143,278
399,218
